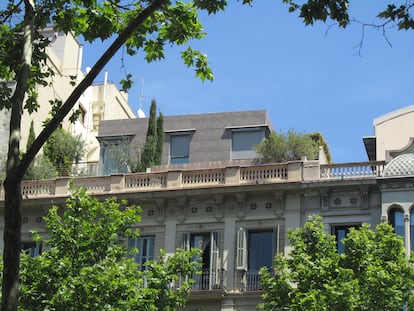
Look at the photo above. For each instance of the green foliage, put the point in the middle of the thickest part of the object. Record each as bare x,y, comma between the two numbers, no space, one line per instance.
380,267
86,266
282,147
373,273
126,83
40,169
31,137
152,151
337,10
167,23
62,149
160,140
320,142
312,11
174,23
401,15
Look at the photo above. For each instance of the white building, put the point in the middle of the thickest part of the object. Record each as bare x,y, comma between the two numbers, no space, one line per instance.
101,101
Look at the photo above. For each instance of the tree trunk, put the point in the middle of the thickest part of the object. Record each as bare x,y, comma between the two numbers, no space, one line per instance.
12,246
16,168
13,194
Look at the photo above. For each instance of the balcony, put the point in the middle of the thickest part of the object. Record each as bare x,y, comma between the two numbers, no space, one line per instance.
205,281
253,281
202,178
208,280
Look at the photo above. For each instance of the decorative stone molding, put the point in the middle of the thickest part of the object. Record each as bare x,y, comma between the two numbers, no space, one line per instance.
182,209
397,185
384,218
219,212
324,201
364,197
160,207
279,203
241,206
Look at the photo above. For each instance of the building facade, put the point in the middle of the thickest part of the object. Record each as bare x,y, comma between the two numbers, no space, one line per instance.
101,101
236,210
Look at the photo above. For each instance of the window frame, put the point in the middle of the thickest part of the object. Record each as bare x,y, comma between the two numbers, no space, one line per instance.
141,257
214,276
243,245
184,157
238,153
109,165
392,219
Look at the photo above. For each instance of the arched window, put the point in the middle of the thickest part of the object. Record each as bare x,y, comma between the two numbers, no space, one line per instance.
396,217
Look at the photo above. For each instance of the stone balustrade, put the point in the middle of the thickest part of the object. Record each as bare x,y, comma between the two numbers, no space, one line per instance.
351,170
186,179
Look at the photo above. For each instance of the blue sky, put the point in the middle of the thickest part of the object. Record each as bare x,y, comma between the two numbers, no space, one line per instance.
265,58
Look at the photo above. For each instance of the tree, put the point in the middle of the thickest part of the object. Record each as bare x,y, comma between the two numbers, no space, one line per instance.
319,141
63,149
40,168
32,136
160,139
90,267
290,146
152,151
144,25
372,274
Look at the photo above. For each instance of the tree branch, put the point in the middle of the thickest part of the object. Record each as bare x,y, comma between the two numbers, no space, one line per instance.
80,89
11,12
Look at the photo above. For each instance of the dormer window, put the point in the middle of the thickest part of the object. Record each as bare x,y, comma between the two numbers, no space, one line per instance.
244,140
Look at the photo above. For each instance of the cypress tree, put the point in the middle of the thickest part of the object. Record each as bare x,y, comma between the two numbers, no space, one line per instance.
148,153
32,136
160,139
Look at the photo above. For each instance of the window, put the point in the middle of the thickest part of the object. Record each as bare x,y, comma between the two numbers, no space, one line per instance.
97,117
340,232
208,242
145,246
179,148
396,216
398,221
32,248
256,249
115,155
243,142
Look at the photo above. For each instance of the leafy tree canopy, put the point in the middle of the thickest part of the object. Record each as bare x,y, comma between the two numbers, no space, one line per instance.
290,146
62,149
143,25
87,267
372,274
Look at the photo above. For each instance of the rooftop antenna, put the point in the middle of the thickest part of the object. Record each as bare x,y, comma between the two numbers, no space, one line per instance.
141,113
